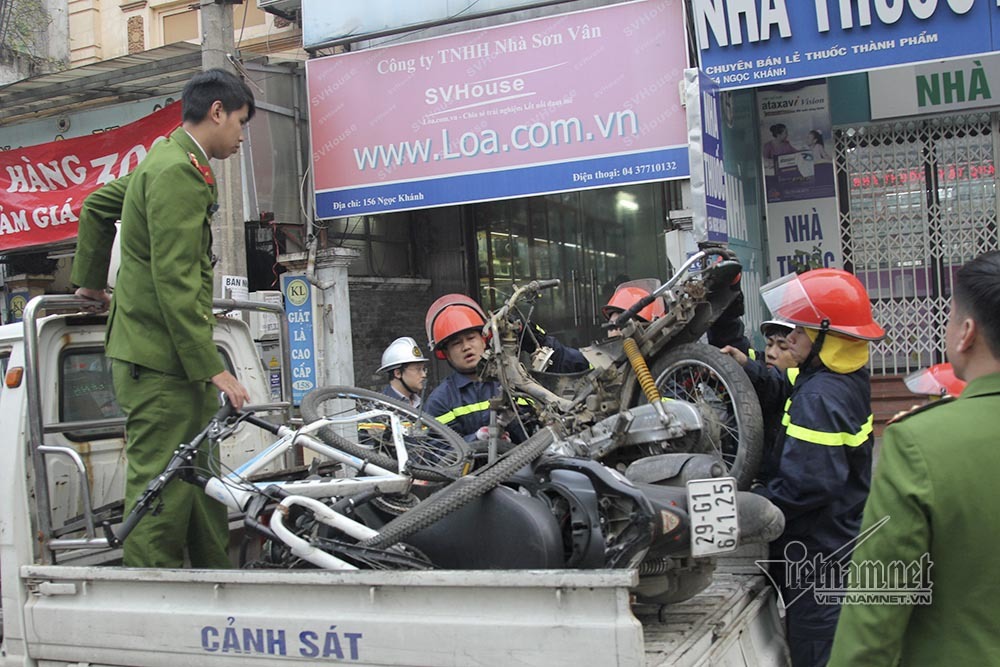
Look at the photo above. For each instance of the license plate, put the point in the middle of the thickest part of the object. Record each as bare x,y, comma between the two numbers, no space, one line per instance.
715,528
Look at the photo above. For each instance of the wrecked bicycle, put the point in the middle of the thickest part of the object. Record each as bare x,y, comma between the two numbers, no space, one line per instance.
528,510
566,511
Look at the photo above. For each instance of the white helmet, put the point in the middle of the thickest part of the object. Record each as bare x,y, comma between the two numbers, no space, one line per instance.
401,351
770,325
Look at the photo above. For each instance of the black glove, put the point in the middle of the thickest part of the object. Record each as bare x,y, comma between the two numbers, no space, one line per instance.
728,329
529,334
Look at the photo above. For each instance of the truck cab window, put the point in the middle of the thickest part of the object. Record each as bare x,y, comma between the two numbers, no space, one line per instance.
86,392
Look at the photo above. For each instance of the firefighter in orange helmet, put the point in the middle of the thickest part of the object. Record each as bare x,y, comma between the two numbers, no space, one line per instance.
628,294
819,468
454,325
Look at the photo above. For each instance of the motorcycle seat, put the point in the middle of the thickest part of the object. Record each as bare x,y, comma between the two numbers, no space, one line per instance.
502,529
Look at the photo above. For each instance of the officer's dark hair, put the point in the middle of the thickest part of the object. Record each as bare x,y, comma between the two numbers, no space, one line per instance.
206,87
977,294
778,330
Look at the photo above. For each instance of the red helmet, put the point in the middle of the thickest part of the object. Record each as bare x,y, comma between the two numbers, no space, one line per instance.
823,294
449,315
938,380
628,294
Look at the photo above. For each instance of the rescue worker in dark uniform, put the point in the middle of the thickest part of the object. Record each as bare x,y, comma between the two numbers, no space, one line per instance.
776,352
770,373
406,367
628,294
454,325
819,469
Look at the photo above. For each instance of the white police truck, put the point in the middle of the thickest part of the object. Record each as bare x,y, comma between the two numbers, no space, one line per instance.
66,599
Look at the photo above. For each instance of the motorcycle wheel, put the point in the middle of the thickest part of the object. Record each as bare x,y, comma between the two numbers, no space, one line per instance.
435,452
461,492
720,389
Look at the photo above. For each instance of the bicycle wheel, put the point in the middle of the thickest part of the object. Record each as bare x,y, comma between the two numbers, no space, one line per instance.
434,451
721,391
461,492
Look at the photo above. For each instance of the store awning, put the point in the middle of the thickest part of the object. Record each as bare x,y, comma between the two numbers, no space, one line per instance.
158,72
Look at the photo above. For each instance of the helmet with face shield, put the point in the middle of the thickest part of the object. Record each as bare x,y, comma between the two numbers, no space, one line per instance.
825,299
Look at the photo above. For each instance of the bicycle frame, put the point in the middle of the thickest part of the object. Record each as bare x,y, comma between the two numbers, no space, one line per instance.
237,492
233,492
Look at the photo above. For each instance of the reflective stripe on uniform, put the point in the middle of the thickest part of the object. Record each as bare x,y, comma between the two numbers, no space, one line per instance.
463,410
825,437
793,375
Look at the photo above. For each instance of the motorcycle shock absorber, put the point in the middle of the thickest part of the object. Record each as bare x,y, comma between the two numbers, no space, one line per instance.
641,370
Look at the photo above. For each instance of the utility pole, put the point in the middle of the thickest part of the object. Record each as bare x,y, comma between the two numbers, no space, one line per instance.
228,225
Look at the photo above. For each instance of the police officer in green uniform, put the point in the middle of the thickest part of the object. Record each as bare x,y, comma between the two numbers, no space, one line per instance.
934,489
167,372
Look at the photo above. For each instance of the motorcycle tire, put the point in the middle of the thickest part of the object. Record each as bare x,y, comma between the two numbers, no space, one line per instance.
718,386
436,452
461,492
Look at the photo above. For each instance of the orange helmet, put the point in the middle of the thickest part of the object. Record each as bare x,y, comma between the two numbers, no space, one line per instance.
938,380
628,294
823,299
449,315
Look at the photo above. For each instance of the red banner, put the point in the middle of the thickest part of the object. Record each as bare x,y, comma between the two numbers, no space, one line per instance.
42,187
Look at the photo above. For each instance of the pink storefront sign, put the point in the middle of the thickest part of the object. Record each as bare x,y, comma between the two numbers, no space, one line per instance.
579,100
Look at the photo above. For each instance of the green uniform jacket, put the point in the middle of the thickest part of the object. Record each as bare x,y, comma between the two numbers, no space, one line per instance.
936,480
161,312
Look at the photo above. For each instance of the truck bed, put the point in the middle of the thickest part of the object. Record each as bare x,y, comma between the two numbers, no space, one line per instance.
733,622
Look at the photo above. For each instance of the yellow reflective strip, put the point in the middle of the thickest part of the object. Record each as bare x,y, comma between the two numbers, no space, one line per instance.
793,374
380,425
753,354
463,410
826,438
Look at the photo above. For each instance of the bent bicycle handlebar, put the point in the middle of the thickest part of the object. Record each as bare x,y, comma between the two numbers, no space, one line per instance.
182,458
533,287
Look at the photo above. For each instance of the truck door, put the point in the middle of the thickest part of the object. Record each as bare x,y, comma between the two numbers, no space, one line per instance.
81,417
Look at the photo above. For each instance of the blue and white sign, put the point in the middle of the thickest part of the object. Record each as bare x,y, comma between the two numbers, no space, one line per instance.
744,43
804,234
708,172
298,307
16,301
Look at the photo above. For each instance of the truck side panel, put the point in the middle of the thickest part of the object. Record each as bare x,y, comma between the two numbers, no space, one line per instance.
171,617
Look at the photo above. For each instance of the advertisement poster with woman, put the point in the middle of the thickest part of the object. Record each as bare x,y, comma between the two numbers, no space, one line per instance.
796,142
803,224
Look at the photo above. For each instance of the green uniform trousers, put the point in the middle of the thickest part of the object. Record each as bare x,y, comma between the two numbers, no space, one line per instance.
163,411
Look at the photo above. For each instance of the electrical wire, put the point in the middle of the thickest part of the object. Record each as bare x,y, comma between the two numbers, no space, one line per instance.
414,33
246,10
